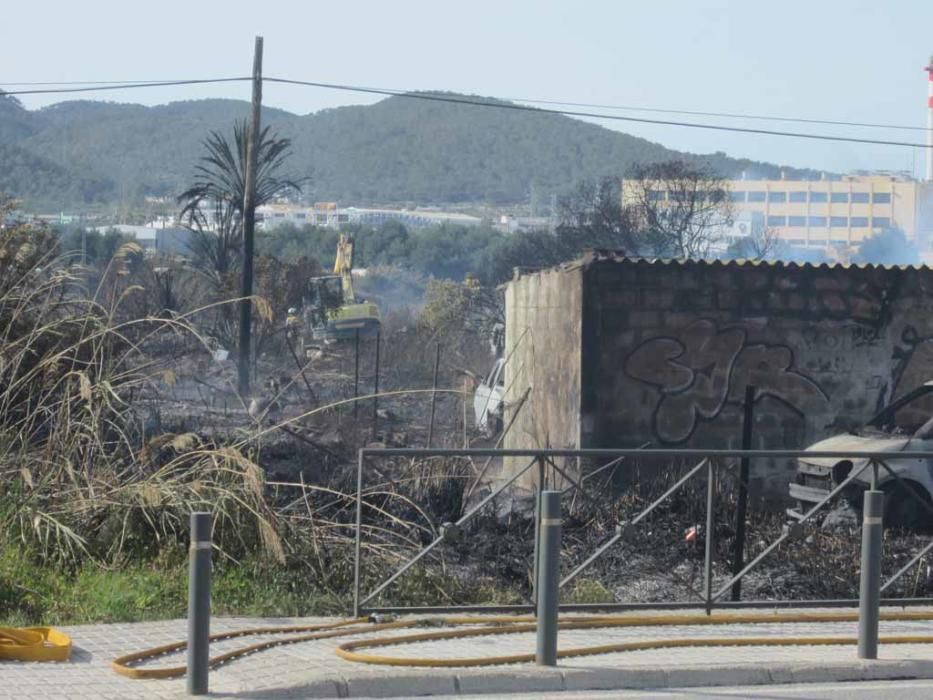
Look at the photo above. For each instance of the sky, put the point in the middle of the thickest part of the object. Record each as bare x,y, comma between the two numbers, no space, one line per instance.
851,60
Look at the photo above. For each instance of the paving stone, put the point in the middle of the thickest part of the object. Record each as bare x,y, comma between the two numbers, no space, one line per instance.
403,684
852,671
510,680
713,675
884,669
615,678
917,668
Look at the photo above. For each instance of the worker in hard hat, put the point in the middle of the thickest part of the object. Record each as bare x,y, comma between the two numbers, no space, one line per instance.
292,322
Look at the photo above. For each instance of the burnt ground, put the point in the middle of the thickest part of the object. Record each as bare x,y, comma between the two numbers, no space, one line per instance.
491,561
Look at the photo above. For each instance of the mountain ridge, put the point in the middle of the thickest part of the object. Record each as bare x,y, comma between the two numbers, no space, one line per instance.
392,151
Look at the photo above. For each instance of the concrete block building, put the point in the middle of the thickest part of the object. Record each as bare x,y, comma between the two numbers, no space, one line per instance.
618,352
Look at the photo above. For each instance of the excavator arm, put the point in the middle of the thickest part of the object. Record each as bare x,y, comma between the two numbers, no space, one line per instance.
343,265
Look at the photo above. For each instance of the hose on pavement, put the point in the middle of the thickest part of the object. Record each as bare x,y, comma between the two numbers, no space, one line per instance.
34,644
465,627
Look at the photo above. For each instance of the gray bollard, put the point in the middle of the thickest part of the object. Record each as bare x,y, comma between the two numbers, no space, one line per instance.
870,581
548,584
199,603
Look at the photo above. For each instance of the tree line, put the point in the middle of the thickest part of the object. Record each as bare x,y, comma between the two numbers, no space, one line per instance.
398,150
672,209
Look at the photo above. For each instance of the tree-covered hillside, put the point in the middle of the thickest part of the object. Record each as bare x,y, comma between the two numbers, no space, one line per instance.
397,150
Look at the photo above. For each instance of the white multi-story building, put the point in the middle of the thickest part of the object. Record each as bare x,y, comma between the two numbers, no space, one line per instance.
329,215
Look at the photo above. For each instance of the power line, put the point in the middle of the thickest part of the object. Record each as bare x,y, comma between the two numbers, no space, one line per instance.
595,115
727,115
95,86
530,100
485,103
26,83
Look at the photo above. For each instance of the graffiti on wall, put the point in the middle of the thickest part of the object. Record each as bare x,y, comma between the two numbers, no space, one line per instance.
704,368
912,364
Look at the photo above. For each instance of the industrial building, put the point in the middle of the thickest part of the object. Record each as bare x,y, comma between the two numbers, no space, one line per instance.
832,211
841,211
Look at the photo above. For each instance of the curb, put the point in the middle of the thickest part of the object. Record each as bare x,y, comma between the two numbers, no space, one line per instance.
567,678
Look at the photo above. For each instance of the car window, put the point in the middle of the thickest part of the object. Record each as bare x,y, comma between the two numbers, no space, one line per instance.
910,417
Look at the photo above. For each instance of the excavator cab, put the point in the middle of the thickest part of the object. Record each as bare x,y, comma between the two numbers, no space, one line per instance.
325,297
334,312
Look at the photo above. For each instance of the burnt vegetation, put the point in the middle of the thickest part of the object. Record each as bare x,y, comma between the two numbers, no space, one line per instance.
119,414
118,420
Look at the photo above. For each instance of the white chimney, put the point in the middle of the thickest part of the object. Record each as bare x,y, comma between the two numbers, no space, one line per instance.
929,70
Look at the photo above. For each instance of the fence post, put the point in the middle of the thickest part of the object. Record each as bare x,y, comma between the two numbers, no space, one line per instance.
708,561
358,536
741,510
870,578
376,387
437,366
548,579
356,373
537,542
199,603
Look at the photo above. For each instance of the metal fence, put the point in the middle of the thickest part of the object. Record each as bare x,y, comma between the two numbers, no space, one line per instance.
710,464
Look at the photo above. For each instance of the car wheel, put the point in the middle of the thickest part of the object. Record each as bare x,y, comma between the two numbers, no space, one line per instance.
903,509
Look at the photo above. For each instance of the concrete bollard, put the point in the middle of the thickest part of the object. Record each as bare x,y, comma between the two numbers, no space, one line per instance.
548,584
199,603
870,580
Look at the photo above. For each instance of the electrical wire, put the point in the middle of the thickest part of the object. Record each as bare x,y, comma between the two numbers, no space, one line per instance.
493,103
83,82
725,115
594,115
107,85
530,100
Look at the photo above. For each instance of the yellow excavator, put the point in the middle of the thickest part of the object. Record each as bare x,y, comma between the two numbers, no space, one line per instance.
334,312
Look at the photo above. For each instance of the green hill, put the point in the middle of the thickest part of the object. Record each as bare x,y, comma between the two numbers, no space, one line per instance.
397,150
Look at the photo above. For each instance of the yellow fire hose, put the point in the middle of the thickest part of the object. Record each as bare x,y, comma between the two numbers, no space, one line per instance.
34,644
488,626
303,634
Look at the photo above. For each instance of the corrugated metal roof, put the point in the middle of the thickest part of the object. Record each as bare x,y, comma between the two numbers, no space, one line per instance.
592,256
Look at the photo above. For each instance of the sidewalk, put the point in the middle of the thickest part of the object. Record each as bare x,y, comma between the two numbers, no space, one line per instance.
311,669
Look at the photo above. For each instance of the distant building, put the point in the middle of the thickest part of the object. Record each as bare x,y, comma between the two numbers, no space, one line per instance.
325,214
329,215
511,224
167,240
830,212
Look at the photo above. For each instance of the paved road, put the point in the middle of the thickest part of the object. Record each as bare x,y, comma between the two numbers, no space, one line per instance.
889,690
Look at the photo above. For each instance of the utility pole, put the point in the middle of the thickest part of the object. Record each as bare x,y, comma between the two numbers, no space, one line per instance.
249,224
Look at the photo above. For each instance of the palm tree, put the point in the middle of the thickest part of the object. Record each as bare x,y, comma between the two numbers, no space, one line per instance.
212,208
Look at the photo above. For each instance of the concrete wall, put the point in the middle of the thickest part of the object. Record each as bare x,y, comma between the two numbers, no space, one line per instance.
668,349
543,346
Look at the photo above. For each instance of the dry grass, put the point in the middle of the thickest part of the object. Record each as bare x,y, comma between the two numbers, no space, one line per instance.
82,475
88,477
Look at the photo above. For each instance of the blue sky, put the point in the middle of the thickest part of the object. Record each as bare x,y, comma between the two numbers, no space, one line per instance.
828,59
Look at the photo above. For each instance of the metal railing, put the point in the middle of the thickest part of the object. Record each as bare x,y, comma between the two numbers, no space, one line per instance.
712,463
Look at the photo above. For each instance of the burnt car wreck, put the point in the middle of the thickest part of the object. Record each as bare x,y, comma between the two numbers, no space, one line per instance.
905,425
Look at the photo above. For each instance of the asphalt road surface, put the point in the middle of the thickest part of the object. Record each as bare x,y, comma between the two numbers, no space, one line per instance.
867,690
